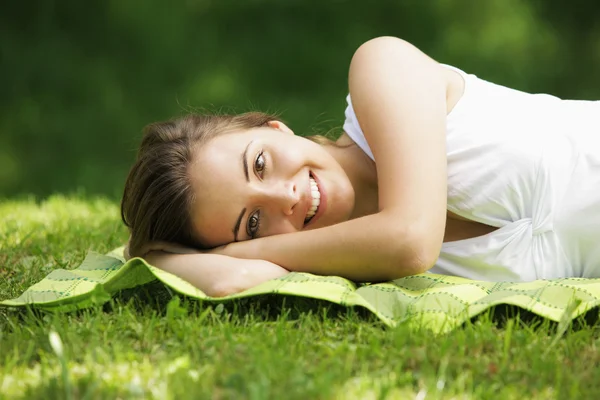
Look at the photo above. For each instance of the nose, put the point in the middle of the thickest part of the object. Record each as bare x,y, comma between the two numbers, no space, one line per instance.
283,196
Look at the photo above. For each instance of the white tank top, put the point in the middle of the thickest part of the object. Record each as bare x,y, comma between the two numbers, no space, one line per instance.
528,164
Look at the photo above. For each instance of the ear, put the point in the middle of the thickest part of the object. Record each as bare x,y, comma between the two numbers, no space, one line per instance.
280,126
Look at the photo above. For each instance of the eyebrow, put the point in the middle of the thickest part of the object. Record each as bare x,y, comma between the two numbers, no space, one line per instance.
236,228
245,161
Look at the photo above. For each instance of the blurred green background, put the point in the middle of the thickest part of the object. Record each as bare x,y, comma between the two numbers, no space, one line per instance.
80,79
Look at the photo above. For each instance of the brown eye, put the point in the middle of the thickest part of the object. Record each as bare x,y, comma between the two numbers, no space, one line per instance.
260,164
253,225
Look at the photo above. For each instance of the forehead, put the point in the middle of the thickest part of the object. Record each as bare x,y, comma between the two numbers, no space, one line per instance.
230,144
217,178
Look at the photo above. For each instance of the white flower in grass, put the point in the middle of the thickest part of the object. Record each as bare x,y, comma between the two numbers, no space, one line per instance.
194,375
158,389
182,362
135,386
56,343
79,370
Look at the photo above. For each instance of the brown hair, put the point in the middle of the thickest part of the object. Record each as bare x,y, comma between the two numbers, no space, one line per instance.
158,195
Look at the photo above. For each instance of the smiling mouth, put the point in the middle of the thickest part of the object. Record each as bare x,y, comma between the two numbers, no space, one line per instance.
316,200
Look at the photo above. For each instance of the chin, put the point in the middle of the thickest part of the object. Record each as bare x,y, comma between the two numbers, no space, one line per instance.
335,219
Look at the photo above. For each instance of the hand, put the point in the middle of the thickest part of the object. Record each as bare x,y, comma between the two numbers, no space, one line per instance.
166,247
126,254
247,249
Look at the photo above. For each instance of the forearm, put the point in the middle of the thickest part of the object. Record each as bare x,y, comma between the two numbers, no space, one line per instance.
399,97
214,274
364,249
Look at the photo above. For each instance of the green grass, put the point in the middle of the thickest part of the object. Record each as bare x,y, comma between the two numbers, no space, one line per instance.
148,343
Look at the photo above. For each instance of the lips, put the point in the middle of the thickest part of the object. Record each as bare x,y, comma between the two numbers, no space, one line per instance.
316,203
315,200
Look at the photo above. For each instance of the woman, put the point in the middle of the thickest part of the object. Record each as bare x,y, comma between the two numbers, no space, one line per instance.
437,171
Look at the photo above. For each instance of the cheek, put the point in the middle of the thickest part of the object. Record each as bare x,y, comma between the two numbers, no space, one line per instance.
301,149
278,227
340,200
291,158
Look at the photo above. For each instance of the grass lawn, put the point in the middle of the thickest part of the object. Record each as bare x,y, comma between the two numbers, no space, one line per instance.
149,343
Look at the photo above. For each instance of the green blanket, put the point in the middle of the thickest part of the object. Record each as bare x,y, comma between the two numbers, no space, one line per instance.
440,303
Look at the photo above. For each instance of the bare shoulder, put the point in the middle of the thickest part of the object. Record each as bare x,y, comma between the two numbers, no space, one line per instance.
387,43
370,56
379,50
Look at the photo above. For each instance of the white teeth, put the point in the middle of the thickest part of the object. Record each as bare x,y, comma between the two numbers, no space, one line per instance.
316,200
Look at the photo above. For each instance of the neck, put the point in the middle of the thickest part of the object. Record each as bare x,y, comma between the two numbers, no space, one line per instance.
361,172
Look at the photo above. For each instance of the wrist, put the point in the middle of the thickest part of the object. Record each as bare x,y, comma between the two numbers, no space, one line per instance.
248,249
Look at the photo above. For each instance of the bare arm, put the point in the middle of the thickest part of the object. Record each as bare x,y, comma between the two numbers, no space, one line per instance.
216,275
399,96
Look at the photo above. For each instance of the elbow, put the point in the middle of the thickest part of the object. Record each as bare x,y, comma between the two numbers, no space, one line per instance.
222,289
412,257
423,261
232,285
398,270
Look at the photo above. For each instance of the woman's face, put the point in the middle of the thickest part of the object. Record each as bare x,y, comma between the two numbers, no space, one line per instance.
265,181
